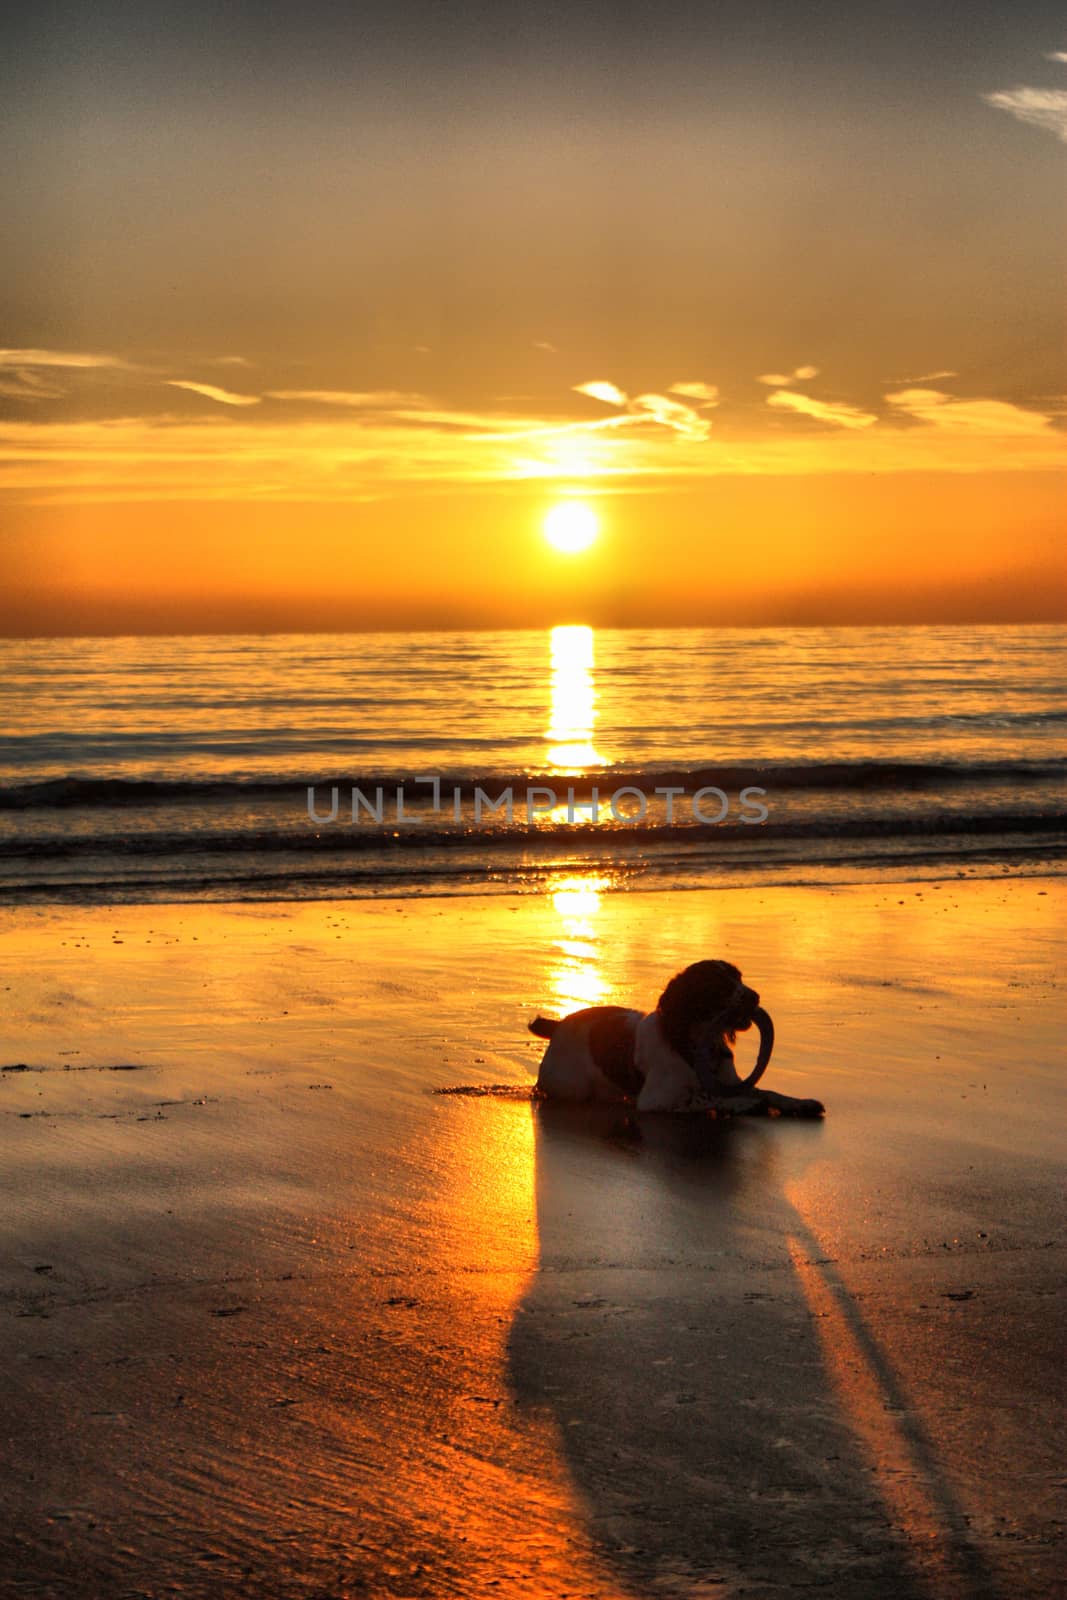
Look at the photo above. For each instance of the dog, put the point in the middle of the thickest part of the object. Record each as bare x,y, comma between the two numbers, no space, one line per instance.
665,1059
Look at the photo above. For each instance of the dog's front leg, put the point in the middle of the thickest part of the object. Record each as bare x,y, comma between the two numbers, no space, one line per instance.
712,1061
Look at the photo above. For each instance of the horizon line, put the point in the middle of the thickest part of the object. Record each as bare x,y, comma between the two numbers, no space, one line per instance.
7,637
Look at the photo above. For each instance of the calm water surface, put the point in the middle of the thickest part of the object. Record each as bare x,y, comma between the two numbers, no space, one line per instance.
147,768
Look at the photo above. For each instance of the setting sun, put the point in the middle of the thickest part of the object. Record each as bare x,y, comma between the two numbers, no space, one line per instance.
571,527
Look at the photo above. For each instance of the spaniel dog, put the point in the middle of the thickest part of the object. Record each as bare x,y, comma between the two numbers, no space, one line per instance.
664,1060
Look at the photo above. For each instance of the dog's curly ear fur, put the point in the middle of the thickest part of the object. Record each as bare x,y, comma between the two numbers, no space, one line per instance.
694,996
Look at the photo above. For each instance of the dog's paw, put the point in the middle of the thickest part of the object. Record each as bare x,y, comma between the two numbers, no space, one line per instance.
806,1108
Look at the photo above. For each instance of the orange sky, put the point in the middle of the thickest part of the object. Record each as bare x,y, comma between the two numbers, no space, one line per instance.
740,550
311,327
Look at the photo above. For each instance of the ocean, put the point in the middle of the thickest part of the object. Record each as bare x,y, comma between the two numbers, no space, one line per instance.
229,768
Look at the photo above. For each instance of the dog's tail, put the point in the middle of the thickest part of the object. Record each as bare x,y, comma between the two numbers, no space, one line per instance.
544,1027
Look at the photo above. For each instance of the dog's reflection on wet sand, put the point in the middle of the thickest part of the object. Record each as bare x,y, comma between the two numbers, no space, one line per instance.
686,1370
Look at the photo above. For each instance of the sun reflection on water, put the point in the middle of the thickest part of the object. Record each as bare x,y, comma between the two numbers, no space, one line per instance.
573,703
574,975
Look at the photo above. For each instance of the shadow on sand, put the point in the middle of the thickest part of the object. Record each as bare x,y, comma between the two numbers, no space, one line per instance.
725,1415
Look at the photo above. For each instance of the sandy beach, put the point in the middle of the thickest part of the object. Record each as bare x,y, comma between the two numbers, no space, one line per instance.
278,1320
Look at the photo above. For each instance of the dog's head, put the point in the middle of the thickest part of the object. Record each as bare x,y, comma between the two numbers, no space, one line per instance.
707,994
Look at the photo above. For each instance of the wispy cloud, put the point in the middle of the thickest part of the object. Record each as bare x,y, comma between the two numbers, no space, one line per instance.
56,358
346,453
20,371
835,412
776,380
924,377
210,391
598,389
347,457
706,393
671,414
1041,108
26,383
657,408
992,418
356,399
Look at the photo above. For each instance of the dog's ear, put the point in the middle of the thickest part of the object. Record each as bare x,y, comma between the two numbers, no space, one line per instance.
692,997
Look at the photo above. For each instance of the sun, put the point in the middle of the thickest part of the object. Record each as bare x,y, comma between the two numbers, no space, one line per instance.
571,526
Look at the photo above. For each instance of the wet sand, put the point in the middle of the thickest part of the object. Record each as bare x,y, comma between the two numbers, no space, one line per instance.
278,1321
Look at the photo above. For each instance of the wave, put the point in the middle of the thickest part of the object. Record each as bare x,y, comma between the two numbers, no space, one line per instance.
81,791
442,878
363,840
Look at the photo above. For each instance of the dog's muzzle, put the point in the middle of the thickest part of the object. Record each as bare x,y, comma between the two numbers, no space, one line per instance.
741,1013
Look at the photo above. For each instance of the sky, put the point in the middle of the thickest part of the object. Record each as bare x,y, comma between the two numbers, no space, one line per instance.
311,315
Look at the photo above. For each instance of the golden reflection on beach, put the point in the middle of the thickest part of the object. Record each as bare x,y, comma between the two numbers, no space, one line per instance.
574,973
485,1211
881,1416
572,710
463,1455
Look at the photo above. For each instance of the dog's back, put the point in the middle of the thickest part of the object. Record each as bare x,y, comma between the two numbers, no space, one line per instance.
590,1055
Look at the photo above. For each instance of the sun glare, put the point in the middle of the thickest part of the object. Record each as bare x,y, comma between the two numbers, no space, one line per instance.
571,526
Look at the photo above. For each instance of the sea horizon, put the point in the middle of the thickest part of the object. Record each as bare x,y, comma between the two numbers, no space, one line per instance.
1057,618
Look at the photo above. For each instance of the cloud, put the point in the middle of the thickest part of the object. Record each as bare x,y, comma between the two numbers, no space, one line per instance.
835,412
599,390
495,428
925,377
26,384
652,441
55,358
777,380
992,418
706,393
357,399
1042,108
671,414
210,392
254,457
543,344
658,408
24,367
